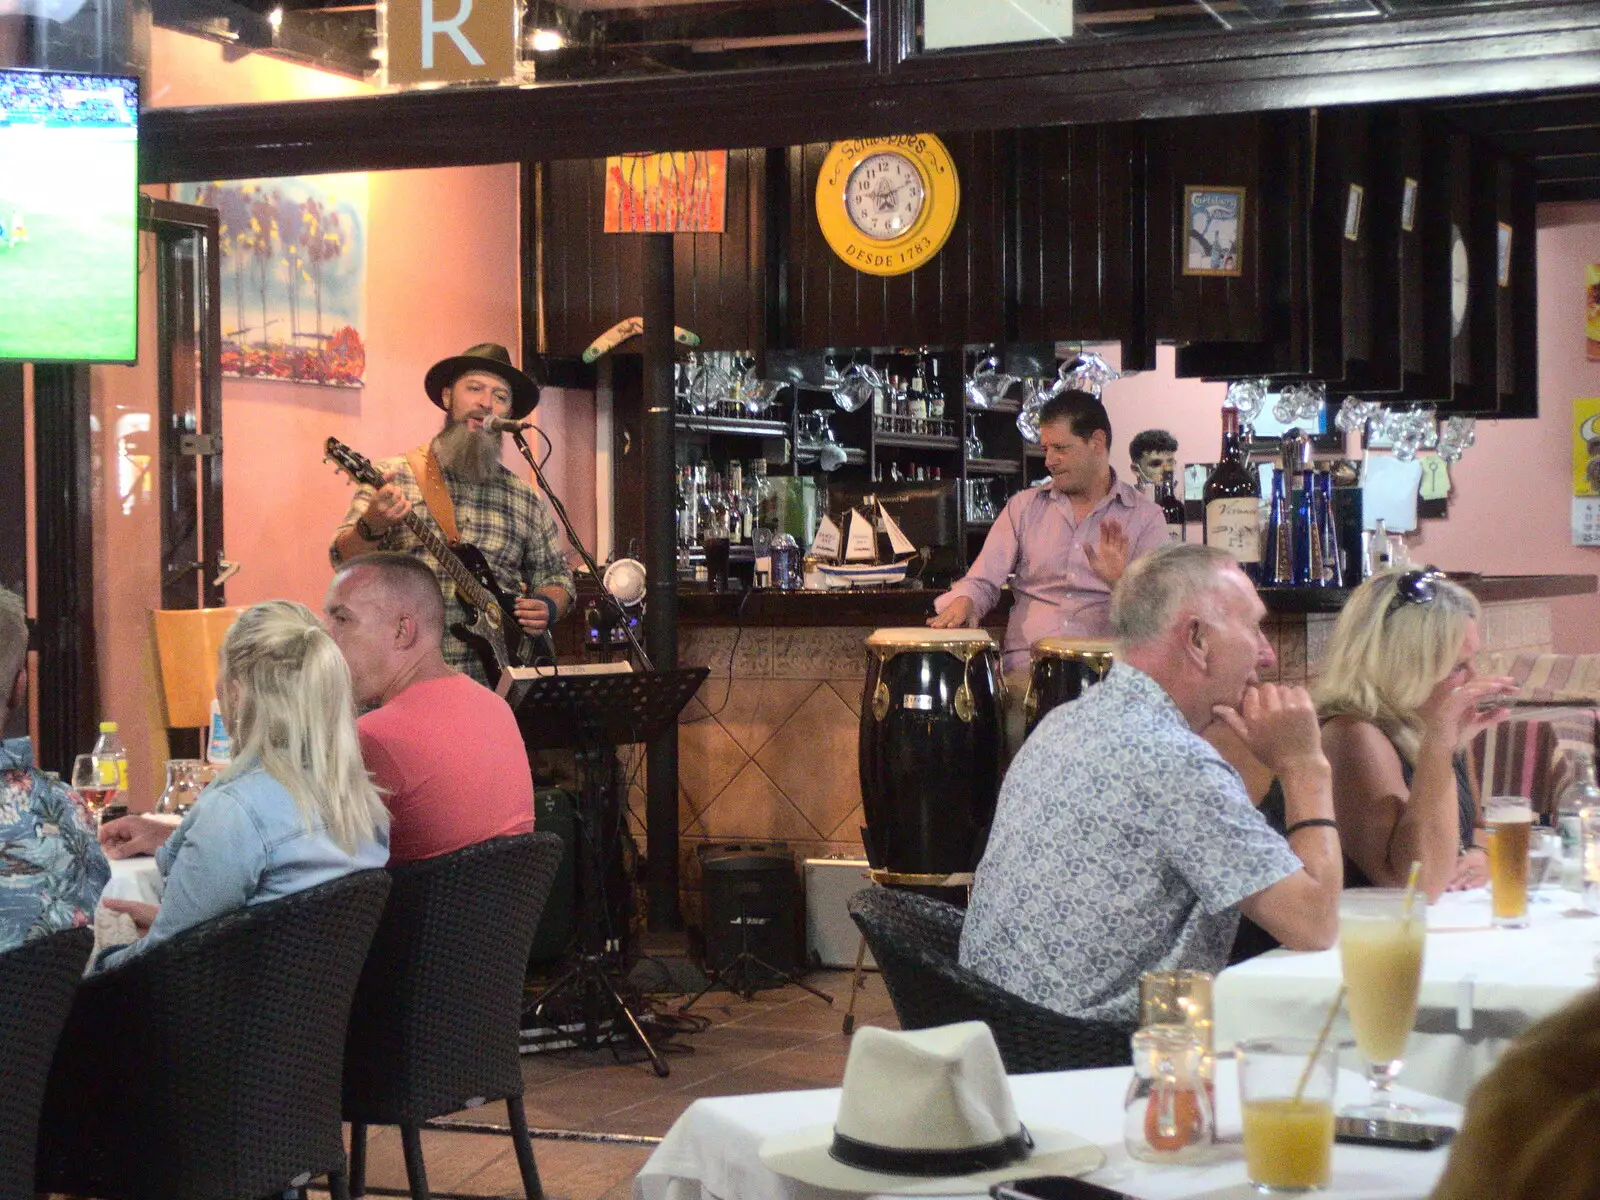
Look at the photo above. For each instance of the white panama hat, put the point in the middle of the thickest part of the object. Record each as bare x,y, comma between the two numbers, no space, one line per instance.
919,1110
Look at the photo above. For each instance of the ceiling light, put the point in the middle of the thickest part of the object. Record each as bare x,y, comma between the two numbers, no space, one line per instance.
545,40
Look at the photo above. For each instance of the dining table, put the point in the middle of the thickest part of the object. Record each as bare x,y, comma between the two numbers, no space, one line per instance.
1482,986
712,1152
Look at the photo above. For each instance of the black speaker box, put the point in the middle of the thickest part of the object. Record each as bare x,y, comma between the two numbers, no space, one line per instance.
752,900
554,811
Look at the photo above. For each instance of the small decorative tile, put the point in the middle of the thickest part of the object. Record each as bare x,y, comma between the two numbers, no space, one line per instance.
755,709
850,691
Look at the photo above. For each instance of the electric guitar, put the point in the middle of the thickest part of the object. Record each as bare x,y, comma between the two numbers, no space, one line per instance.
491,628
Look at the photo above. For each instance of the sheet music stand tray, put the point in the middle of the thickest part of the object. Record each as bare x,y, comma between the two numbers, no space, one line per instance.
592,715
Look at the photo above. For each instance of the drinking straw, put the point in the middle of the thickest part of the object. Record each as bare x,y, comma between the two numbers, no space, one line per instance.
1411,888
1322,1040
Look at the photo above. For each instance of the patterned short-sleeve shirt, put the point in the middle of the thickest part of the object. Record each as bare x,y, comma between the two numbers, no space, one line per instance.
1122,843
503,517
51,867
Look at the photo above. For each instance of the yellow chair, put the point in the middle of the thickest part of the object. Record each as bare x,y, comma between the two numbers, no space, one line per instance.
187,641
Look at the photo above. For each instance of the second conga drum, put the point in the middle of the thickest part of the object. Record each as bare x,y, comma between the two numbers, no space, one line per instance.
931,741
1062,668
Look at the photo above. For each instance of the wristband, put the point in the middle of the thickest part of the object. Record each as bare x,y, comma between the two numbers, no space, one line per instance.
1310,823
365,530
550,609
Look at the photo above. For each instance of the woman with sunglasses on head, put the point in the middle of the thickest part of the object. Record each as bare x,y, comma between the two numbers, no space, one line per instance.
1399,699
295,807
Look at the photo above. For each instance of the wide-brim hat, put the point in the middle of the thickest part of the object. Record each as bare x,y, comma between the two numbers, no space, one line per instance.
927,1112
490,357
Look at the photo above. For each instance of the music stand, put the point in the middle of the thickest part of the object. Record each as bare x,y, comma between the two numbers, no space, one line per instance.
592,715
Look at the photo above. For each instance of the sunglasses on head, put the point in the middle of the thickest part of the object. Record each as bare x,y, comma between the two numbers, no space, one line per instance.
1415,587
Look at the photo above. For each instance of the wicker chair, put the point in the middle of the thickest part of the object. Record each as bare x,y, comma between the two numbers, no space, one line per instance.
208,1067
434,1027
37,980
915,939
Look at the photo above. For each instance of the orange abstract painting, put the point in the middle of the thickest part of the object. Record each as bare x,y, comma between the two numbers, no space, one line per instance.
681,192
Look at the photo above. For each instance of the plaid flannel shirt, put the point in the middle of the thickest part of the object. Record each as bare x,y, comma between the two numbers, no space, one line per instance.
504,518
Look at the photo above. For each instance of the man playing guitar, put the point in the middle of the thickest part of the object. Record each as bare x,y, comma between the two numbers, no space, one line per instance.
458,486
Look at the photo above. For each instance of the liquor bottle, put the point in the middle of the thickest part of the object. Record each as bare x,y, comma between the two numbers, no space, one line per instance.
1171,508
1307,541
1277,564
1232,499
919,399
1328,532
935,401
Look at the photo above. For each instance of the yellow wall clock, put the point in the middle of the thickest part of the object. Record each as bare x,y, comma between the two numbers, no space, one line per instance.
886,205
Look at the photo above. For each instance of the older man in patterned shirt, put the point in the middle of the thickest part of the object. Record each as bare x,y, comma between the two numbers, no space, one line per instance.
51,868
1123,842
493,509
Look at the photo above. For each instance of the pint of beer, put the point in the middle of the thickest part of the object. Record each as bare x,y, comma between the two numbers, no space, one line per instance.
1509,820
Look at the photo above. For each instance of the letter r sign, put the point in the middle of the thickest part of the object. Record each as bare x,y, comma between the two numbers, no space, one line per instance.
448,41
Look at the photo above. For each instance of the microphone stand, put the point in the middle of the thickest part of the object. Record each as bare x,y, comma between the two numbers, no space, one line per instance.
583,551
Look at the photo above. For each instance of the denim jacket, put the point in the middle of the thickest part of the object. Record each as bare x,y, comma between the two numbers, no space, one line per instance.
244,842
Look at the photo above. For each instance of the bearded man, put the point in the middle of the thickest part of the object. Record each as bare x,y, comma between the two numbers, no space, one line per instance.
466,495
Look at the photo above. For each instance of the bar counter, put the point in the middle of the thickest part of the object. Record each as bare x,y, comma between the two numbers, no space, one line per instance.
768,749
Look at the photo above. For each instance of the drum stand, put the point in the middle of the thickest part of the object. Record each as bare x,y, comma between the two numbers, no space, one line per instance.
737,976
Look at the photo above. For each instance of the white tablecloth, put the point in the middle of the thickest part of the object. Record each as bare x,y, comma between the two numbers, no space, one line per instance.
1481,987
711,1152
134,879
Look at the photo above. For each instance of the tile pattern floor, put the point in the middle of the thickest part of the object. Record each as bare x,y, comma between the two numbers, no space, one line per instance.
780,1040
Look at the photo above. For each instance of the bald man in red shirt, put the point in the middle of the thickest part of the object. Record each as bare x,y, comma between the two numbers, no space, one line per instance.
444,749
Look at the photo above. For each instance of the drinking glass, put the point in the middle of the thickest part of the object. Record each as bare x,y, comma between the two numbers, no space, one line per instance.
1544,858
1380,947
988,383
94,779
1288,1128
1177,998
1168,1112
1510,821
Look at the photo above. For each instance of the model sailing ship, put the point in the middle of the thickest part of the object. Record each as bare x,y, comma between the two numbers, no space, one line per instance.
872,552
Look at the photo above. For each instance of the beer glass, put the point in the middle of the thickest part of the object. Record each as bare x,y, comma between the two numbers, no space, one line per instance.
1509,820
1288,1128
1380,950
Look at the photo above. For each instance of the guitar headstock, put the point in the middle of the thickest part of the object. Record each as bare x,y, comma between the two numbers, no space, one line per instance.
353,463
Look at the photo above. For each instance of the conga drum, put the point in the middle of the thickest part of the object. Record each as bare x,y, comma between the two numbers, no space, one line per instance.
1062,668
931,741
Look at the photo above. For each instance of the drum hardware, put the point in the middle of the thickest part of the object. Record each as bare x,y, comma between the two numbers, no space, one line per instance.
880,701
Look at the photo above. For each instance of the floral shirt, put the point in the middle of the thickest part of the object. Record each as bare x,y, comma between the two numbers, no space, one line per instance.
504,518
51,867
1122,843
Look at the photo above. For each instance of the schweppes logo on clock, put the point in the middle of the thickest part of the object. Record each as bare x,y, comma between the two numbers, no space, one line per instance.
887,205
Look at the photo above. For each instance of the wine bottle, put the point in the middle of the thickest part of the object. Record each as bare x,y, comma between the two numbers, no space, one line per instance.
1307,538
1232,499
1171,508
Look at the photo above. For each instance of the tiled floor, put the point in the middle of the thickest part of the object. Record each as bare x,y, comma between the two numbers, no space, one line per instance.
780,1040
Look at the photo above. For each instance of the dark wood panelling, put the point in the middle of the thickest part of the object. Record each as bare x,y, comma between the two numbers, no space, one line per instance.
957,297
592,278
1519,303
1473,371
1075,199
1424,251
1260,325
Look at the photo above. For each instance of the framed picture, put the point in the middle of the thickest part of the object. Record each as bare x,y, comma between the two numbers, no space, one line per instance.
1502,255
1352,213
1408,205
1214,244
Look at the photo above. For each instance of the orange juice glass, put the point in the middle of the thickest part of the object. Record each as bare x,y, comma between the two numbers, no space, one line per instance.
1288,1128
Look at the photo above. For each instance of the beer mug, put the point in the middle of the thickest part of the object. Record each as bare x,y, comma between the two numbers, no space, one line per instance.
1509,820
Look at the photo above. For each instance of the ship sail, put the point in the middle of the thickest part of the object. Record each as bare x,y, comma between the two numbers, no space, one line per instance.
826,543
898,542
860,545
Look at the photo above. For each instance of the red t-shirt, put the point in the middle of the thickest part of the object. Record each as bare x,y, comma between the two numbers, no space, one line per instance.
452,766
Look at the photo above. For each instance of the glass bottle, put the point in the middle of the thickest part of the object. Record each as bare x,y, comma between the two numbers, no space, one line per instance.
1579,792
1171,508
1328,531
1277,564
1307,542
1232,501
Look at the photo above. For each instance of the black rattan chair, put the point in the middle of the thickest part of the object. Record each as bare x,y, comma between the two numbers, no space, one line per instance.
915,941
208,1067
435,1024
37,980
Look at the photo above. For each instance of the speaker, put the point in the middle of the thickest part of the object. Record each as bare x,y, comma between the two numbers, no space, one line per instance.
751,903
555,811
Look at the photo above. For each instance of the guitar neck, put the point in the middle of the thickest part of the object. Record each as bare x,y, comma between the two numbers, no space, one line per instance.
467,587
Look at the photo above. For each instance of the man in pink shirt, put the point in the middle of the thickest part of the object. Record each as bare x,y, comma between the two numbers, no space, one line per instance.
1063,546
445,749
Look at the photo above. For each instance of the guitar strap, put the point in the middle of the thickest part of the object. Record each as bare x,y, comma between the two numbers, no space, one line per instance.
424,464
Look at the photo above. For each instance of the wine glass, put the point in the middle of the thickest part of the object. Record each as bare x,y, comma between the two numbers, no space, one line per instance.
94,779
1382,932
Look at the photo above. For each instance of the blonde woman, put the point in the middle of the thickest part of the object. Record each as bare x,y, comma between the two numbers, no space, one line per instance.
294,808
1398,697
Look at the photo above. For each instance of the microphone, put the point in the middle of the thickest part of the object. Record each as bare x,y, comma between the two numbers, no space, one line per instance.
505,424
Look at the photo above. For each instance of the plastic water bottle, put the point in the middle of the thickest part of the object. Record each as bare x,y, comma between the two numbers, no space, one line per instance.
109,749
219,742
1580,792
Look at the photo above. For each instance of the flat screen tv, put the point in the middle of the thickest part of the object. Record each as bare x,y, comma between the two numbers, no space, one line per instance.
69,217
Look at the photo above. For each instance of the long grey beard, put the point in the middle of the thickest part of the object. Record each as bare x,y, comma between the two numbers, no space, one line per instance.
467,453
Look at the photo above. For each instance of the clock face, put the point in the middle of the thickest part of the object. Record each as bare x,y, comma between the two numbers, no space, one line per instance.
884,195
1460,274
